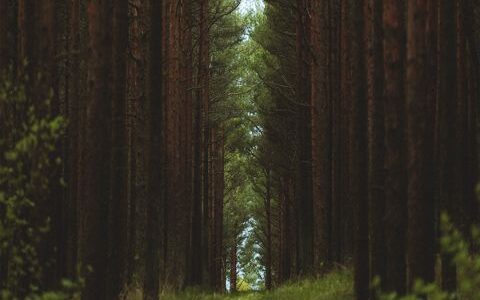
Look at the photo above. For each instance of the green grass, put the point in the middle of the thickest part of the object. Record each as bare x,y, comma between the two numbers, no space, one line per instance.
334,286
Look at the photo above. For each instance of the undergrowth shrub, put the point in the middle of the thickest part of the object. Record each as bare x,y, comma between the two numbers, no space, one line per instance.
29,135
468,268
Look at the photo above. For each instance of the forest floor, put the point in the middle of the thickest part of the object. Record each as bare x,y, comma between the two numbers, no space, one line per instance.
334,286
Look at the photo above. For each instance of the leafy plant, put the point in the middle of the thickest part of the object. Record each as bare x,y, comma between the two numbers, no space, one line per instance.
29,134
468,268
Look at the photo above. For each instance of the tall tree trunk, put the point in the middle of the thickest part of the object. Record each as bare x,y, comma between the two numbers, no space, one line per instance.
303,190
233,267
346,245
321,123
188,137
155,153
196,241
420,237
73,134
395,149
376,140
4,28
359,151
96,183
138,136
268,212
445,124
218,211
472,207
204,94
337,139
118,205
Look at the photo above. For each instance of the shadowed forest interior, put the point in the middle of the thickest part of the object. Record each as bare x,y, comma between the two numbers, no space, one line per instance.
239,149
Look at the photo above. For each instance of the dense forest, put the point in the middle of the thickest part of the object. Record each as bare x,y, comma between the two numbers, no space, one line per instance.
153,147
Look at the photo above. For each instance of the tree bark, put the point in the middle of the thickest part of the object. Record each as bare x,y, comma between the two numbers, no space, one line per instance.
156,182
118,204
376,134
420,237
4,26
303,190
395,149
73,134
321,124
359,151
268,211
233,267
445,124
96,183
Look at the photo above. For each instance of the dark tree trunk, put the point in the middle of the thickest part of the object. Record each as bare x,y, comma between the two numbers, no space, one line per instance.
218,211
359,151
155,153
321,124
198,240
420,237
445,125
4,32
118,205
138,136
303,190
73,135
337,139
376,140
233,276
395,149
268,211
204,93
96,183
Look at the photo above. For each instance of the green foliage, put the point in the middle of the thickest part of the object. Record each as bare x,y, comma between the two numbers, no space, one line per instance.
29,134
468,268
232,95
243,286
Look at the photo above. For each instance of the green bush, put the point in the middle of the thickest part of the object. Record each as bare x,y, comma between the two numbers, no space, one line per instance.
29,134
468,268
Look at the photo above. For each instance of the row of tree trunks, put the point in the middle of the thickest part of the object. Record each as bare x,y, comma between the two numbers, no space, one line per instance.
402,150
315,205
122,73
